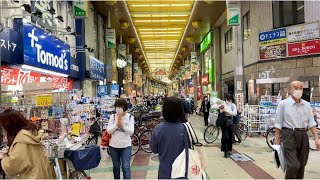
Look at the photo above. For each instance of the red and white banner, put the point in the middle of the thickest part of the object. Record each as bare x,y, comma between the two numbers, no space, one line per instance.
16,76
60,82
304,48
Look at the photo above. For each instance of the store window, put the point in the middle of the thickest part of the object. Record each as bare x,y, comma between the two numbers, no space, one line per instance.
246,26
287,13
228,41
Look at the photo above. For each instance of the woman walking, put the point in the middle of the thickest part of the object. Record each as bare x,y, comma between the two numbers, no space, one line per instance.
230,110
170,137
205,108
26,157
121,127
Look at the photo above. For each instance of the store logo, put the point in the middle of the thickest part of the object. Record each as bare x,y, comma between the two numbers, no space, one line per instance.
47,57
195,170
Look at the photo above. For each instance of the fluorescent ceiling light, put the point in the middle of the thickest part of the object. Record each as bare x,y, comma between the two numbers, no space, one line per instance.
160,20
43,71
161,41
158,29
161,35
159,5
161,32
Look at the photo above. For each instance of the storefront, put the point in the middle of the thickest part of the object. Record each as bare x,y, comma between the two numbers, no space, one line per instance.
207,54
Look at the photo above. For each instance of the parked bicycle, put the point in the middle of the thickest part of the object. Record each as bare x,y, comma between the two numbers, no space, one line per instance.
211,133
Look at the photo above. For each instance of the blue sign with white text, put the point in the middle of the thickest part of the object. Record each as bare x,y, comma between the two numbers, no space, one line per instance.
97,71
10,48
272,35
102,91
115,89
45,51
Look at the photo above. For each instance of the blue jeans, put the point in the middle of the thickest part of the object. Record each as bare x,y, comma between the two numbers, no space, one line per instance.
121,155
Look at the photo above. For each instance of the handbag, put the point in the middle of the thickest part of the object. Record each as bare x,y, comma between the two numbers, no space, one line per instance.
188,164
105,138
198,147
221,120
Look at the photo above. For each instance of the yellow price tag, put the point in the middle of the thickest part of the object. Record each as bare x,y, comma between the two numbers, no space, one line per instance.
44,100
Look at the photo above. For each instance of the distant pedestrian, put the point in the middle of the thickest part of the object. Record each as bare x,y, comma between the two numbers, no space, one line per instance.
293,118
170,137
186,108
205,109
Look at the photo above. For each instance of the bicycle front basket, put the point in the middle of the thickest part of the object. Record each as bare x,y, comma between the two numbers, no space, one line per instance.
84,159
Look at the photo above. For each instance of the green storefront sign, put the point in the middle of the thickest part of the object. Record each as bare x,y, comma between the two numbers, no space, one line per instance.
80,8
206,42
233,16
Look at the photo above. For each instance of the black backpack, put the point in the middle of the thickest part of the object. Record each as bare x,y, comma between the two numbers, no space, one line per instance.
186,106
95,128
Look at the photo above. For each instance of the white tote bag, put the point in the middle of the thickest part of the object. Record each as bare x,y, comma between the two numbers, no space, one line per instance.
188,165
198,147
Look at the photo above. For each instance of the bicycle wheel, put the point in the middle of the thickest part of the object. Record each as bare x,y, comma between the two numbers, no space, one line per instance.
145,139
270,137
135,141
211,133
312,145
243,130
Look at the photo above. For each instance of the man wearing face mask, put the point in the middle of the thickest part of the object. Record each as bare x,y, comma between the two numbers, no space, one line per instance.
293,118
205,108
121,127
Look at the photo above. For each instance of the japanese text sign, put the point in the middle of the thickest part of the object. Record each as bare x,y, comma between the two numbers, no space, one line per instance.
97,69
273,37
44,100
303,32
304,48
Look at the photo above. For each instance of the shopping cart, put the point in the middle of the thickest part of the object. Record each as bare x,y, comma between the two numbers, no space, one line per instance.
82,159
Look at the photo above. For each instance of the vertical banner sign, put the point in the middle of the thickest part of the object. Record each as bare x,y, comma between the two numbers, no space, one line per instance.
194,65
233,16
97,69
122,51
239,99
129,68
111,38
80,8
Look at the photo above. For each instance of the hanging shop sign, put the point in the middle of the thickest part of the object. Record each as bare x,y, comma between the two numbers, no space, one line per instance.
135,67
44,100
80,8
10,50
59,82
303,32
18,76
273,37
75,68
240,101
111,38
115,89
273,52
160,72
205,79
47,20
129,68
97,69
206,42
45,51
102,91
122,51
233,16
304,48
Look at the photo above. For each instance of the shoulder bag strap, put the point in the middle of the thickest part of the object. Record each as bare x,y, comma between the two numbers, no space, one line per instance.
192,132
187,150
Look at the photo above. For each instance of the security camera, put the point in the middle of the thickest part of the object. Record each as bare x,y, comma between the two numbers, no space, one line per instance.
16,1
27,8
38,14
52,11
68,29
60,18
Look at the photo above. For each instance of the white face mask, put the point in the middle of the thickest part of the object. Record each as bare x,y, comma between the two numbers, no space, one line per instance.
119,110
297,94
228,102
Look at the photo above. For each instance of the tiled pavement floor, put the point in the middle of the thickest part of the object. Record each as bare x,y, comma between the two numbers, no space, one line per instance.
145,166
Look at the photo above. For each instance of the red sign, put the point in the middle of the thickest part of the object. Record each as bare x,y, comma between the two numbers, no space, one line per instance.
16,76
161,72
60,82
9,76
304,48
205,79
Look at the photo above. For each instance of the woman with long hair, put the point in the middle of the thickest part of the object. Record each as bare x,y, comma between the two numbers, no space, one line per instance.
26,157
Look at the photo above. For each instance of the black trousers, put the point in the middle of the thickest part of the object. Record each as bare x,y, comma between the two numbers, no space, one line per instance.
226,141
296,152
236,132
206,117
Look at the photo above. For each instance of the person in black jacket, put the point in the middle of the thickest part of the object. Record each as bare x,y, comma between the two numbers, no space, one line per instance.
205,108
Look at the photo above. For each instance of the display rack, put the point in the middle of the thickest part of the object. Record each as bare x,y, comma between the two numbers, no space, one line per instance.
251,115
106,108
